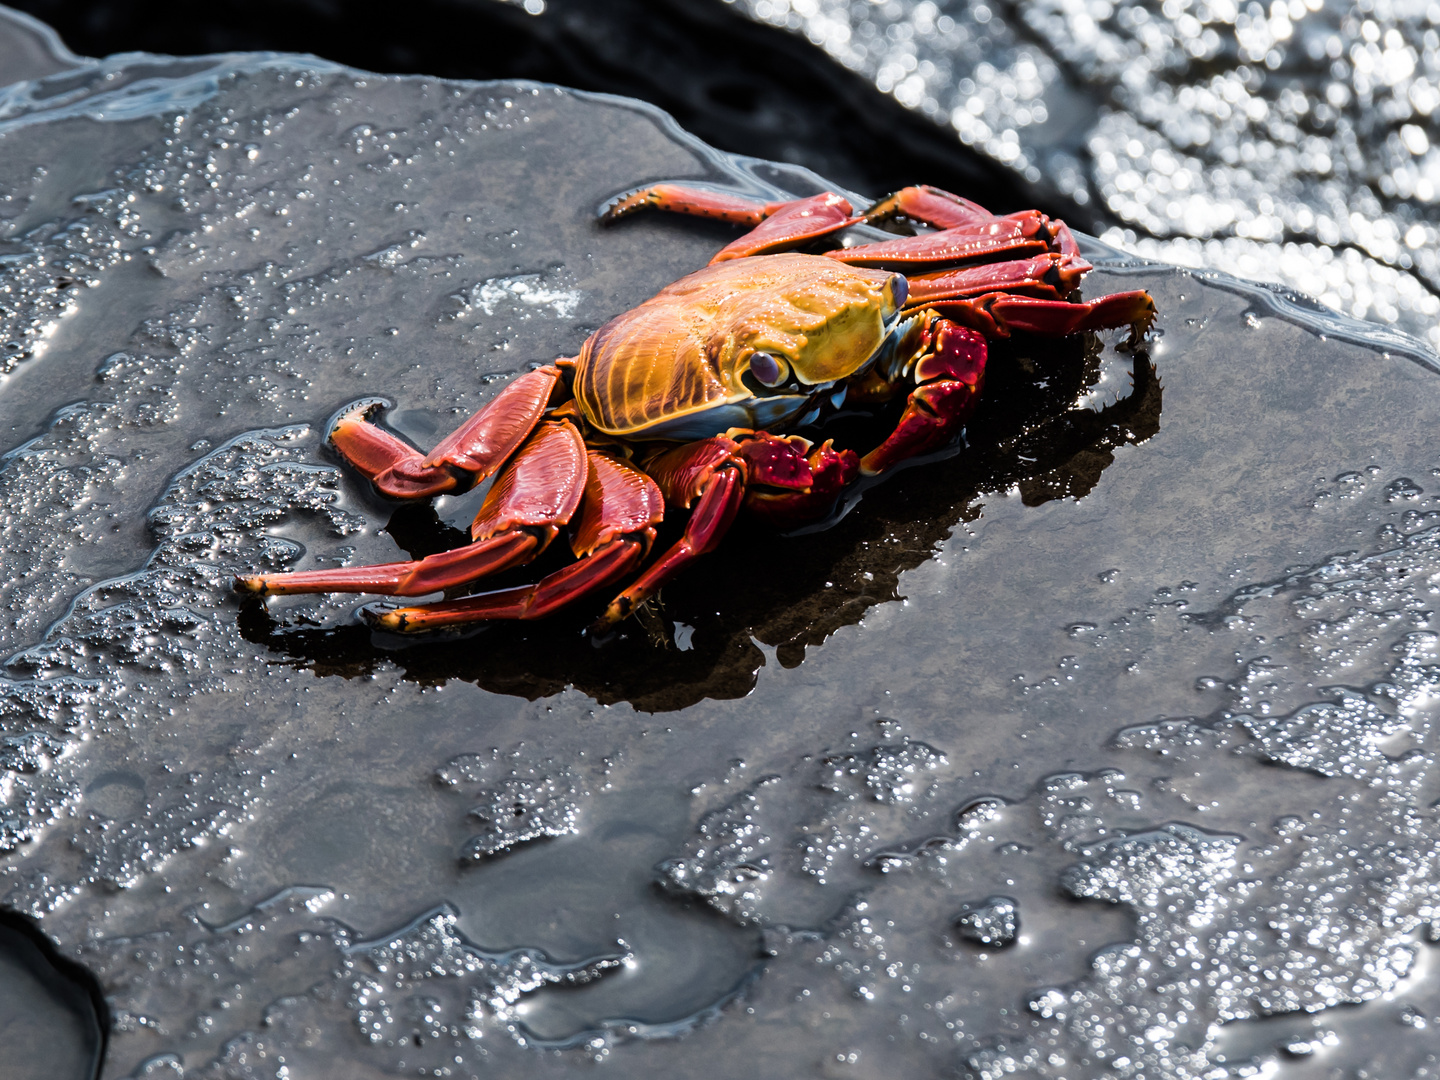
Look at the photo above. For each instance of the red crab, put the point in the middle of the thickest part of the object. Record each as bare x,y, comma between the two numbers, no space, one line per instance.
683,402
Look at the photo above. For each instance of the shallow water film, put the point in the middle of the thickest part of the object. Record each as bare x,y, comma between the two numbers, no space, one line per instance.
1102,747
1290,140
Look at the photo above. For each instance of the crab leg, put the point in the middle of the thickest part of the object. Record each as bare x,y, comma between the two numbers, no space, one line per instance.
776,226
943,210
931,205
605,567
532,499
1014,235
950,374
793,224
466,457
1027,294
997,314
698,202
1052,276
622,507
711,474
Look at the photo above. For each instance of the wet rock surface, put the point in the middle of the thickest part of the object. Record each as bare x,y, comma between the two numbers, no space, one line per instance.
49,1023
739,85
993,921
1291,142
1153,657
1286,141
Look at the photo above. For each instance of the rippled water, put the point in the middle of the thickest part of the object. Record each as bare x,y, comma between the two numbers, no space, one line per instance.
1102,747
1291,141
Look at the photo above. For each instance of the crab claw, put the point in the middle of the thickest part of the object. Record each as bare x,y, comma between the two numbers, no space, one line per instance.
776,461
950,374
826,472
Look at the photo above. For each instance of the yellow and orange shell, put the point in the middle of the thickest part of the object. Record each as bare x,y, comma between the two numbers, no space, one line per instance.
685,350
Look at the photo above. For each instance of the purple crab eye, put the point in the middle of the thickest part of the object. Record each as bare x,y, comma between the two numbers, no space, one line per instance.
765,368
899,289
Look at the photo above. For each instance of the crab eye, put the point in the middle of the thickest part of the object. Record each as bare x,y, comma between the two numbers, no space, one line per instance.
899,290
766,368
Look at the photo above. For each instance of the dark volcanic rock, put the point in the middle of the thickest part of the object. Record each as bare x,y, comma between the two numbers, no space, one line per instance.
1153,653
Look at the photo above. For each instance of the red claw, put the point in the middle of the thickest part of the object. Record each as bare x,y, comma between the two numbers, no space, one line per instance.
958,354
953,372
777,463
831,471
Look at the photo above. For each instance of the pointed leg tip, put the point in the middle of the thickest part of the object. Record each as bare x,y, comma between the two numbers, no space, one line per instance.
251,586
624,204
1143,323
613,616
361,410
391,620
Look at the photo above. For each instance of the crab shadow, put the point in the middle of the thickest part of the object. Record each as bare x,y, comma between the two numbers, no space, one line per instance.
703,637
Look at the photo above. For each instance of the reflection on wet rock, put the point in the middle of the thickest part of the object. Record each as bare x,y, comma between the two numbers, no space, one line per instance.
728,862
28,752
1282,141
994,921
154,622
889,773
517,805
431,948
1331,739
418,992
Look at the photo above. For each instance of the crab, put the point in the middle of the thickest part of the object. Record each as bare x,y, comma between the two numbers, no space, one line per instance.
692,400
